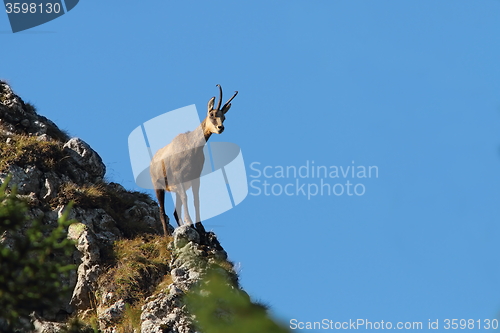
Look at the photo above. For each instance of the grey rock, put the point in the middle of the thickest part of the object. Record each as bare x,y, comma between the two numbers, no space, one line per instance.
26,179
162,313
101,223
40,128
41,326
112,314
8,98
86,158
185,234
50,186
89,269
147,214
43,137
165,311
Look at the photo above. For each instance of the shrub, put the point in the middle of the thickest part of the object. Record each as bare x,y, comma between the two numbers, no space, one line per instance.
32,261
220,307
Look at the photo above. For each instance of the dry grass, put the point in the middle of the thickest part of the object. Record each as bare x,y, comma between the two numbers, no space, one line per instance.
77,325
226,265
139,269
24,150
140,265
131,321
87,196
114,202
163,285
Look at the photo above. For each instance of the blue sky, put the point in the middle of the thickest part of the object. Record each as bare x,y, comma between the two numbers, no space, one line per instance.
410,87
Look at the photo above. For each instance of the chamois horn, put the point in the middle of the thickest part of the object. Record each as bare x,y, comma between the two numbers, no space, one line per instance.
227,103
219,103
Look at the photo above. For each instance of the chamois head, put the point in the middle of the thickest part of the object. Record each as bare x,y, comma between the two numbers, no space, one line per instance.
215,117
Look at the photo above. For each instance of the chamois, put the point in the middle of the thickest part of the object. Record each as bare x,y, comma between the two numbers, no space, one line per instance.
178,166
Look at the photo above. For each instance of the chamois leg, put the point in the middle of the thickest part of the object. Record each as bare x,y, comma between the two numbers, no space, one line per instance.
195,183
196,198
160,195
178,205
182,193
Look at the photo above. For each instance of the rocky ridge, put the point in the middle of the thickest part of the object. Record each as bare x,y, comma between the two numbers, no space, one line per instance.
50,169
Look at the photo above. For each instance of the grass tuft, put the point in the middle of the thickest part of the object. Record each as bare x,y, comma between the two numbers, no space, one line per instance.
131,321
112,199
140,264
86,196
24,150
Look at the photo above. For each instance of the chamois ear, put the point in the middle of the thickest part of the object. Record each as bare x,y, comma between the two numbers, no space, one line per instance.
210,105
226,108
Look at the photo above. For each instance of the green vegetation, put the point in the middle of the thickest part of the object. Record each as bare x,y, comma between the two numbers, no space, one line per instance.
33,261
76,325
131,321
220,307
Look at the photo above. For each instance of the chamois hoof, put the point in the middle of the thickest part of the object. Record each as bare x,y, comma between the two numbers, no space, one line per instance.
199,227
201,231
